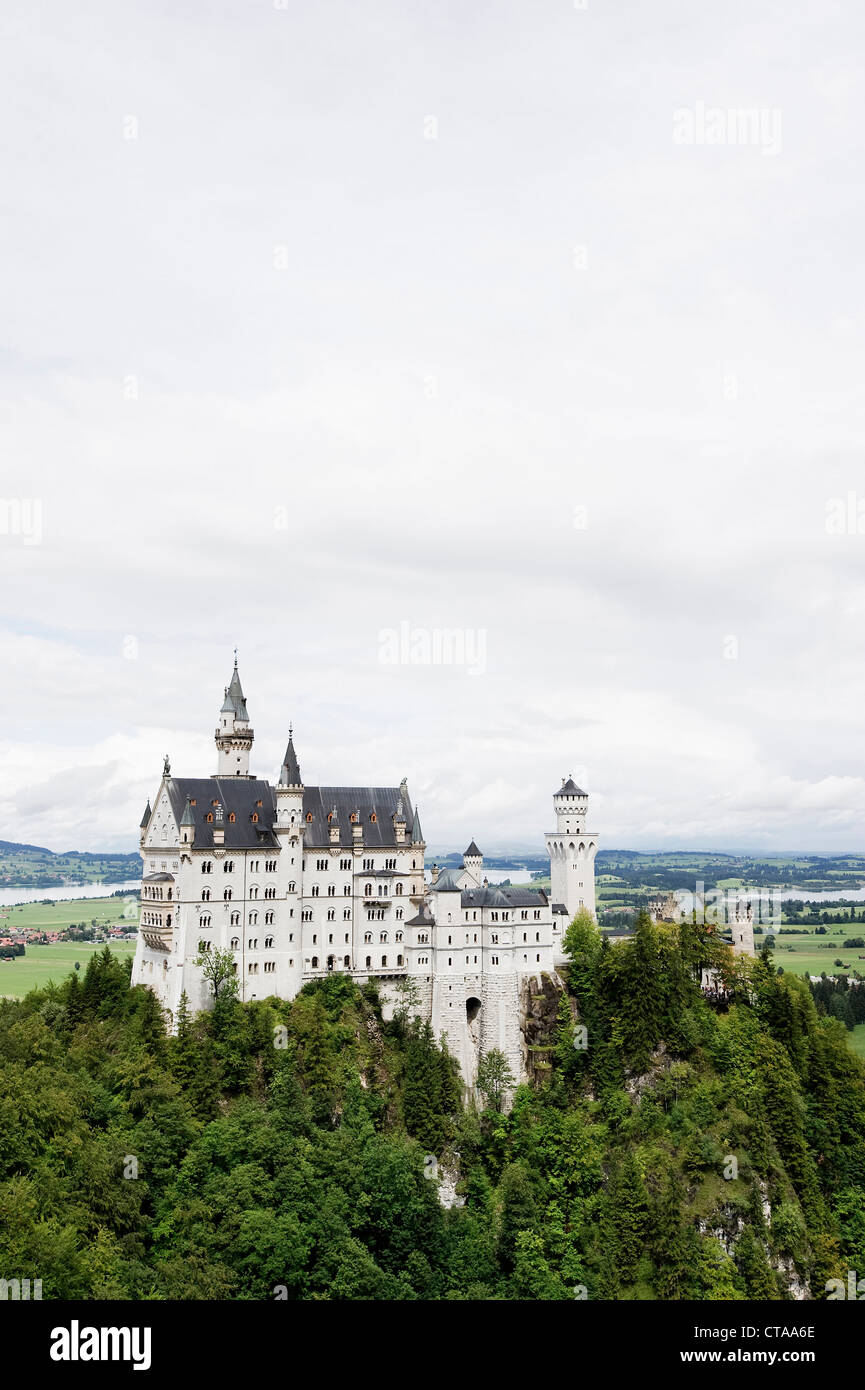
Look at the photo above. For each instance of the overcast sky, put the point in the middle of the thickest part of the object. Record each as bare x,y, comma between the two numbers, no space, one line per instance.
539,324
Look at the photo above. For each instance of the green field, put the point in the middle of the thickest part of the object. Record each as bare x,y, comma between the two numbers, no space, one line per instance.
44,963
108,912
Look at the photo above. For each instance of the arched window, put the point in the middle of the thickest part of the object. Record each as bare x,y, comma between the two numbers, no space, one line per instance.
373,817
291,887
231,817
255,815
369,962
205,895
226,897
367,938
384,960
399,960
309,817
346,961
235,919
268,942
398,888
210,817
235,943
315,962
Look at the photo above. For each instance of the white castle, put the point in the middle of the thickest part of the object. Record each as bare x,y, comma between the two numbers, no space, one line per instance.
298,881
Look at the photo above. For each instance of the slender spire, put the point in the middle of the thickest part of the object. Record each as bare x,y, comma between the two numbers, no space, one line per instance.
416,832
290,774
145,819
188,818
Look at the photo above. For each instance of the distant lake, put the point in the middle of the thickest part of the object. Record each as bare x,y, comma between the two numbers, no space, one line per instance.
65,893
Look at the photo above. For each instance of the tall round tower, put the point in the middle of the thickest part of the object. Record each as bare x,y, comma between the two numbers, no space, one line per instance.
572,849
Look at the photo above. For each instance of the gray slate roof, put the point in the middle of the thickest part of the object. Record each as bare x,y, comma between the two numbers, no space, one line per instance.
381,801
448,881
473,850
503,897
237,795
570,788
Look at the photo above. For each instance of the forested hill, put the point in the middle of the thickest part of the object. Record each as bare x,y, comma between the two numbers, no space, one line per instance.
695,1148
30,866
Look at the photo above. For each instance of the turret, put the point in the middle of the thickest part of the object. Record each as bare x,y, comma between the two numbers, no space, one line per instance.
187,824
233,736
473,863
289,791
145,820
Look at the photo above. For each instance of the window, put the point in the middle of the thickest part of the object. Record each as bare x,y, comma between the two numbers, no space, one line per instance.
235,943
399,960
346,916
345,863
235,919
252,943
204,921
398,888
495,960
268,919
226,897
384,960
399,914
231,818
367,938
331,915
207,866
268,942
346,962
269,967
309,817
269,892
373,817
228,866
369,958
315,890
291,887
315,962
331,890
382,936
254,818
253,918
205,895
210,816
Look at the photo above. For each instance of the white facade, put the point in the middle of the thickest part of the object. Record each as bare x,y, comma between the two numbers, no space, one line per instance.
300,881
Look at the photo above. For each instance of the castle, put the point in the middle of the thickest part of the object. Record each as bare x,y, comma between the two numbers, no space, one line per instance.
298,881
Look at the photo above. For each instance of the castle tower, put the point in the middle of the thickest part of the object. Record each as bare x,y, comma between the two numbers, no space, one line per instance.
473,862
572,849
741,923
233,736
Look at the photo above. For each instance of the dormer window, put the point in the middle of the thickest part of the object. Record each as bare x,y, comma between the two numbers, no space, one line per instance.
231,818
255,814
373,817
309,817
259,803
210,816
353,817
